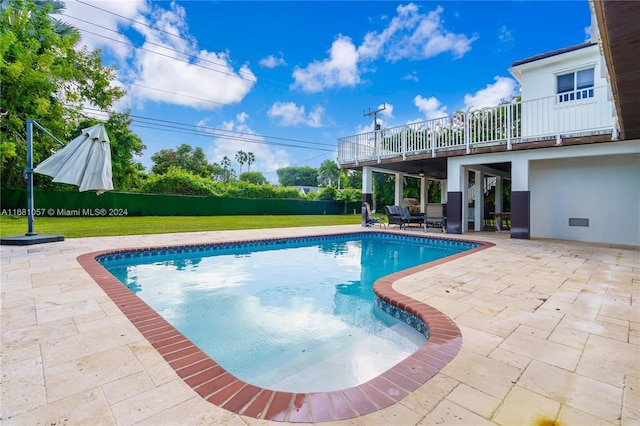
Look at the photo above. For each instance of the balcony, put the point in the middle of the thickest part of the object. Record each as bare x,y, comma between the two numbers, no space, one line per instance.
498,128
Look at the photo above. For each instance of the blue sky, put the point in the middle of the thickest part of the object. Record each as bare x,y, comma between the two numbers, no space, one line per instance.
285,80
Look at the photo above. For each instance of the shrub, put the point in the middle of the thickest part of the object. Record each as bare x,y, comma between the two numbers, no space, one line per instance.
255,178
180,182
327,193
177,181
245,189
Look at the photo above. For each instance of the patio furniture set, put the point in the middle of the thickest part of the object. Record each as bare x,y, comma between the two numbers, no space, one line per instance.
404,218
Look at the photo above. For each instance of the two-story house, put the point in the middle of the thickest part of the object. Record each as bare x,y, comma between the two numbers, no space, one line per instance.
568,149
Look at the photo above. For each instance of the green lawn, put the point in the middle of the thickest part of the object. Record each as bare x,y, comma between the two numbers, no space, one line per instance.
77,227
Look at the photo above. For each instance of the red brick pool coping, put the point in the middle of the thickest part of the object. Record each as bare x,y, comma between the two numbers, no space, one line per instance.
219,387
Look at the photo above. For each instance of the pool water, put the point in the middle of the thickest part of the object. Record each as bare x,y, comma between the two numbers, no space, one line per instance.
288,315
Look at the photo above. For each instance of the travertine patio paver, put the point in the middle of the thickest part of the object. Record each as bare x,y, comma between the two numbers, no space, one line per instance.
551,332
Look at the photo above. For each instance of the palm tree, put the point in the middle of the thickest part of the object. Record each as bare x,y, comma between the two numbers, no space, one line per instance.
52,6
226,163
241,157
251,158
328,172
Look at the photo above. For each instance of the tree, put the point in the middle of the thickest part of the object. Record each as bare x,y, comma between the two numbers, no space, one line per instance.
353,179
328,172
348,195
226,162
251,158
44,6
327,193
383,190
298,176
255,178
43,77
241,157
184,157
222,172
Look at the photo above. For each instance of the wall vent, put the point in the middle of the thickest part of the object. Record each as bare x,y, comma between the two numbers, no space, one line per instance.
575,221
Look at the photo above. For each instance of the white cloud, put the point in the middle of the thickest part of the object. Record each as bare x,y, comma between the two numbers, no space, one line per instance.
107,36
411,76
271,61
409,35
269,158
166,66
364,128
339,70
290,114
492,94
430,107
588,33
505,35
414,35
387,112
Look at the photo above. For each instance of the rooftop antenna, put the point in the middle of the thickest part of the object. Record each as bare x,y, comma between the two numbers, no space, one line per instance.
376,126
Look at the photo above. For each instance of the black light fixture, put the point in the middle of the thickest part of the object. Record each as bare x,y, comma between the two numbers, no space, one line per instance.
421,172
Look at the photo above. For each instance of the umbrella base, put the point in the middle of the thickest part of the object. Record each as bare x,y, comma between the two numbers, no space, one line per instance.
27,240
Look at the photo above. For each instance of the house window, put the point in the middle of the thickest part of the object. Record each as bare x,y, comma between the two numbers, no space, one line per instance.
575,85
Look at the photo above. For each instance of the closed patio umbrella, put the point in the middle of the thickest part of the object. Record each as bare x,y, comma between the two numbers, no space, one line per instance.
84,162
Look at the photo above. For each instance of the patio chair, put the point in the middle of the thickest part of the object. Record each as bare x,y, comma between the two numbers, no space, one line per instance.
436,216
410,218
371,220
394,216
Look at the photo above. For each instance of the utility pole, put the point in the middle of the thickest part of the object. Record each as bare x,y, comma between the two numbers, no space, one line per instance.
375,115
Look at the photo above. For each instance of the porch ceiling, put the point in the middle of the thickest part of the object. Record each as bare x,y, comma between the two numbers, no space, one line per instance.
435,168
620,33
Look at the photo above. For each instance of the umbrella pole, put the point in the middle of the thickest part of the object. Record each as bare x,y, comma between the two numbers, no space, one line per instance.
28,172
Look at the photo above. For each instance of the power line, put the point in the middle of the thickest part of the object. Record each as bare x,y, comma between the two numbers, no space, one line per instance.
169,56
152,27
276,84
177,94
227,137
253,79
211,129
190,129
158,45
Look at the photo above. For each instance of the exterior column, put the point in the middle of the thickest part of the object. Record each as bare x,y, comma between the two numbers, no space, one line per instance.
443,198
399,188
520,199
498,194
454,187
464,218
424,194
367,191
478,196
443,191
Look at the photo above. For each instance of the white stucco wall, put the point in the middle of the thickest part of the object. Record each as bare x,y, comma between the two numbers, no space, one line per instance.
543,116
603,189
538,78
599,182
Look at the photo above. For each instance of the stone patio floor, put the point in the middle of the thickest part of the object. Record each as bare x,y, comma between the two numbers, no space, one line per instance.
551,333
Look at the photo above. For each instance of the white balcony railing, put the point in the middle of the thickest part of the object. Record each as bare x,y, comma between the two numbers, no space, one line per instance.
506,125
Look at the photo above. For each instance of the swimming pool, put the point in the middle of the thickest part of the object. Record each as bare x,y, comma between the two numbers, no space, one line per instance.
215,385
295,315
